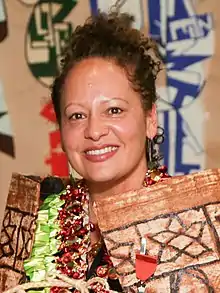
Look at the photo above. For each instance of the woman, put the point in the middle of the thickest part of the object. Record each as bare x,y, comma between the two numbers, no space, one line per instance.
104,99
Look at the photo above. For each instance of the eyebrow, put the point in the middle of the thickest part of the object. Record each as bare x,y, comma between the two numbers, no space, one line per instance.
105,101
116,98
72,103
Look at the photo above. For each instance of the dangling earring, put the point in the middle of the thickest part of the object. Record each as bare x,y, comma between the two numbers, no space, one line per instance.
153,154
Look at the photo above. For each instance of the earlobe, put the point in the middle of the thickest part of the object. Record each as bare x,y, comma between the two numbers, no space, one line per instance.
151,122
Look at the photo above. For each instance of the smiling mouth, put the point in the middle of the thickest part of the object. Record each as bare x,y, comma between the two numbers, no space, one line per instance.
102,151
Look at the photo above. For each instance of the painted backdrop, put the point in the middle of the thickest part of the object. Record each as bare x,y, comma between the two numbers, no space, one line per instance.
32,35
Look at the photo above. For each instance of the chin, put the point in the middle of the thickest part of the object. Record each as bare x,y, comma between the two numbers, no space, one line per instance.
99,173
100,178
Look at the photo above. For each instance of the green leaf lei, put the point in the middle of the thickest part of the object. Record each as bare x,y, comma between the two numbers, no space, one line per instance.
42,260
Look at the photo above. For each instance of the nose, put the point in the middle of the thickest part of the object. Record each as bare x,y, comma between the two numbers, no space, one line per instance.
95,128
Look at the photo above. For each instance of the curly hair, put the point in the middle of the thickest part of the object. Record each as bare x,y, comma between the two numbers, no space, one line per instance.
112,36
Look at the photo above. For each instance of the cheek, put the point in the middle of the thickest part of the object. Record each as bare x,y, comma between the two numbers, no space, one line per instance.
131,128
69,138
122,129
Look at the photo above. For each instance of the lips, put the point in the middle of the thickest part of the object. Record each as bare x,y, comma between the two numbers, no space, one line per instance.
101,151
100,154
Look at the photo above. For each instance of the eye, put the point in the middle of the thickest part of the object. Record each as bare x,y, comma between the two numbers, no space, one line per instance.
76,116
115,111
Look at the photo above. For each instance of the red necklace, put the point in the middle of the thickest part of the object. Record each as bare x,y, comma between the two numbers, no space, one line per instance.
75,230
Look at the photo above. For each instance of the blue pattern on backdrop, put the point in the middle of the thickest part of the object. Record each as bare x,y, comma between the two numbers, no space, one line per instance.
170,25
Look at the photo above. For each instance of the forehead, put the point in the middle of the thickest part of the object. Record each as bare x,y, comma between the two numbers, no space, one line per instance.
97,76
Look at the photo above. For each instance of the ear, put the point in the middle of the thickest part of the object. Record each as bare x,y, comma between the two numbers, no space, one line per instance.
151,122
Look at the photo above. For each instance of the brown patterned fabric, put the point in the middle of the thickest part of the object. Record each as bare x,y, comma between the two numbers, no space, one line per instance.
180,218
18,227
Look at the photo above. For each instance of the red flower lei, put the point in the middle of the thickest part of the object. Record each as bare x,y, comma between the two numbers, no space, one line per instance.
75,230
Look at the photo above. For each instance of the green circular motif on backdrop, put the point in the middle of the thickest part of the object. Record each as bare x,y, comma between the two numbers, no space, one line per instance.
46,36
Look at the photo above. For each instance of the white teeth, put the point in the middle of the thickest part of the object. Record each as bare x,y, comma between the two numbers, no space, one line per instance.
101,151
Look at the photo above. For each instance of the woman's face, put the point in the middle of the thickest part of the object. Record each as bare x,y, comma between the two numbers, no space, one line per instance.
103,124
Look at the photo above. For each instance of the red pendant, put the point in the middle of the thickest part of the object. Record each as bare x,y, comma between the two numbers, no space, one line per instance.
145,266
